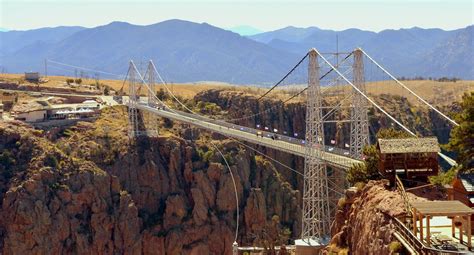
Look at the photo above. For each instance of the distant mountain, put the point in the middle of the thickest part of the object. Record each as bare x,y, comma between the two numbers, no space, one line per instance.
183,51
245,30
300,40
189,52
453,57
404,52
289,34
11,41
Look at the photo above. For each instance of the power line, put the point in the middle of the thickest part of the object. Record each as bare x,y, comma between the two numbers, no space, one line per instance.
84,68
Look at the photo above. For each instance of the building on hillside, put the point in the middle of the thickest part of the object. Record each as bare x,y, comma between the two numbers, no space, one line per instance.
29,111
32,76
37,115
463,189
86,109
410,158
47,109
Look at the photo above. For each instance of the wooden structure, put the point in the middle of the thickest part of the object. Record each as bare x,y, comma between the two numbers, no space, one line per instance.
459,213
412,158
32,76
462,189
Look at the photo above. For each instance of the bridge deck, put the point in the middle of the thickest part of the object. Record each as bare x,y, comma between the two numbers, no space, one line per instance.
283,143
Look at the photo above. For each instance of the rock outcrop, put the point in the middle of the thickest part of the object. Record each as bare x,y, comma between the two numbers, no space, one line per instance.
100,193
363,221
55,204
89,189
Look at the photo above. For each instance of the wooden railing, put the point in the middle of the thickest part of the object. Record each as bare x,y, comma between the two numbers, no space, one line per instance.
416,244
404,195
410,238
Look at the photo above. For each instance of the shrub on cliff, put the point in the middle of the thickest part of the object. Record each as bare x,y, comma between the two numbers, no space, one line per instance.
462,136
395,247
208,107
272,235
51,160
367,170
444,178
161,94
7,160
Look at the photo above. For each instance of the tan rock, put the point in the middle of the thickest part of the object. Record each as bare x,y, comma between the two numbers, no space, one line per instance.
255,212
175,211
200,207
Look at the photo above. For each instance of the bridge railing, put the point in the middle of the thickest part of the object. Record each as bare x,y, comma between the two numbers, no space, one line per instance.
280,142
277,136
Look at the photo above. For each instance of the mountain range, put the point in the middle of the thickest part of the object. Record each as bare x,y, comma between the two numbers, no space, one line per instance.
245,30
187,52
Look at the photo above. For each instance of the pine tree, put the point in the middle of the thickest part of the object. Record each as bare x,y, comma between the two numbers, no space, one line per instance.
462,136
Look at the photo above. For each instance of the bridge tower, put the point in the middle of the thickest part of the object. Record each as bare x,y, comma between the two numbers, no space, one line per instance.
151,80
152,101
133,86
316,212
359,134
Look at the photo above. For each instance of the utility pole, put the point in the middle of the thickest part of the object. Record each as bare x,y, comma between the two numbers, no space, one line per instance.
316,215
337,51
359,136
45,67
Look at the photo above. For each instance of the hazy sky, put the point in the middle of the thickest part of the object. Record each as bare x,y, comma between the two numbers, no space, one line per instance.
266,15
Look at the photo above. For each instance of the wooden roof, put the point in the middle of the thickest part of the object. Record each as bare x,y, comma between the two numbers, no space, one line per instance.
409,145
442,208
467,181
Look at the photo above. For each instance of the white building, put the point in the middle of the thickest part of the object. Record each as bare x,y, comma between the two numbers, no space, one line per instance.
32,116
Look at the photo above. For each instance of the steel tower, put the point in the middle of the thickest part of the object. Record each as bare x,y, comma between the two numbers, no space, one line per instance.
152,127
359,136
316,214
133,130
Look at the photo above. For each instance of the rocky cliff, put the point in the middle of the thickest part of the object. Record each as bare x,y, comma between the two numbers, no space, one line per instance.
89,189
53,203
363,221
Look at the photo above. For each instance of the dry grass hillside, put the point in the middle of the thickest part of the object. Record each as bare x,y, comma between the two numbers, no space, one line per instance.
439,93
184,90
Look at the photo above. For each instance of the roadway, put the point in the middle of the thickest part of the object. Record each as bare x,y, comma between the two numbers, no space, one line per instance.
333,156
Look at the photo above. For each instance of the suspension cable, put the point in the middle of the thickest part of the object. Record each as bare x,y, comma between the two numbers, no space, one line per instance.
409,90
123,84
284,77
284,102
235,190
279,82
378,107
290,98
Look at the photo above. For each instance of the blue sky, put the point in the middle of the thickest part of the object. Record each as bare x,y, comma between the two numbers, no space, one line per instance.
263,14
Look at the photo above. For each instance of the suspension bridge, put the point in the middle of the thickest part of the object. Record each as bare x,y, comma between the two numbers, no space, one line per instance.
346,79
